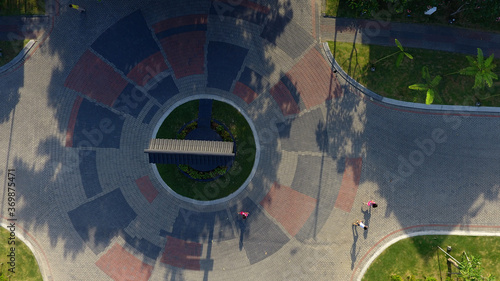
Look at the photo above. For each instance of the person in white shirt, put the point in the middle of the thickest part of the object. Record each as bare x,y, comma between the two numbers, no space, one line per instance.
360,223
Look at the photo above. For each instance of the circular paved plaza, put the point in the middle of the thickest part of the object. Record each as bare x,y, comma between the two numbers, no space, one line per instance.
82,108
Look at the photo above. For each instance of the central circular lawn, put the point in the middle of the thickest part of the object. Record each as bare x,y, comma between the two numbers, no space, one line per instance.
233,178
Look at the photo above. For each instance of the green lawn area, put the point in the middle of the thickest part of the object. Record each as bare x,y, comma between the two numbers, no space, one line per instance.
392,82
26,268
244,158
10,49
419,256
332,8
483,18
24,7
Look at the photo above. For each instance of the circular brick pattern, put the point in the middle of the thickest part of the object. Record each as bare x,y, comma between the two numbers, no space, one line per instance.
145,90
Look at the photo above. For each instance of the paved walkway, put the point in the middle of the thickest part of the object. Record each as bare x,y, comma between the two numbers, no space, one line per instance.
79,112
377,32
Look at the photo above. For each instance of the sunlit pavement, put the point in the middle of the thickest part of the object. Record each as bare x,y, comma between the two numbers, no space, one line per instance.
78,113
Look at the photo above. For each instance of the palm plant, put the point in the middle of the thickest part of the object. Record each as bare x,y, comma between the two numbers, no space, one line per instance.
429,86
482,70
401,55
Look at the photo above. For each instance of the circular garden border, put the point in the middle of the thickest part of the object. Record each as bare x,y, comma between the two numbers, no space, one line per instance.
211,187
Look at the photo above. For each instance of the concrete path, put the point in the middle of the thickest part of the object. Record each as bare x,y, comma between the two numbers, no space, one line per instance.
79,112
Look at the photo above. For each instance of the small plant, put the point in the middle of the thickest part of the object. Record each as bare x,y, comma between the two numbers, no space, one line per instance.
482,70
411,278
221,130
429,86
188,129
201,175
401,55
471,269
396,277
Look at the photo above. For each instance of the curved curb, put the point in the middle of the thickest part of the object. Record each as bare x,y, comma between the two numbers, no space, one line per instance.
383,247
19,58
40,258
420,106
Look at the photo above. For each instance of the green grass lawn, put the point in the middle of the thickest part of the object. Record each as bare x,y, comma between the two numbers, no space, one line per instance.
392,82
419,256
332,8
244,158
10,49
181,115
26,268
24,7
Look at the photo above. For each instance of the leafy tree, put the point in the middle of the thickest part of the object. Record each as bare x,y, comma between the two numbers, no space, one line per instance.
482,70
481,10
429,86
363,6
401,55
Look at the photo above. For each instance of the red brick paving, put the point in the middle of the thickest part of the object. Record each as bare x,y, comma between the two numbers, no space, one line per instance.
314,80
244,92
72,121
350,183
147,69
289,207
147,189
284,98
182,254
96,79
179,21
120,265
185,52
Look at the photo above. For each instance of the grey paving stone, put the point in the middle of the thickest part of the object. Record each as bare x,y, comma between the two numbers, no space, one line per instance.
294,135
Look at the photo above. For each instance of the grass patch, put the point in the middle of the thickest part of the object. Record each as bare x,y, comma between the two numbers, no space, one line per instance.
181,115
24,7
26,268
244,158
392,82
10,49
420,257
331,8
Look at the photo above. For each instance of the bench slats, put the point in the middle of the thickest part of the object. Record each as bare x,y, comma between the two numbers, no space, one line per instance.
200,147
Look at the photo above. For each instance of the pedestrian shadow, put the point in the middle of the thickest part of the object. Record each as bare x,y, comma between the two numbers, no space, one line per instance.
367,214
354,254
243,227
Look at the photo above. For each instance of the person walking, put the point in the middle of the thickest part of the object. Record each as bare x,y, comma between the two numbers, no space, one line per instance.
361,224
371,203
244,215
76,7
